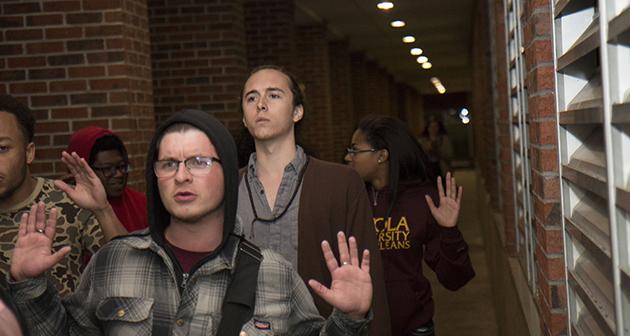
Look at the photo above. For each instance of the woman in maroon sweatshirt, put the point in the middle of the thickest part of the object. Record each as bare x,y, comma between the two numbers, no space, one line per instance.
409,224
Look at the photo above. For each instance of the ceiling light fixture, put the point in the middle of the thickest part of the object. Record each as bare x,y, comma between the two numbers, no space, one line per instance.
397,23
416,51
409,39
385,5
422,59
438,85
426,65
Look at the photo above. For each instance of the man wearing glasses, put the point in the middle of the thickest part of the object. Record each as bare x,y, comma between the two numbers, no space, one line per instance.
177,277
106,154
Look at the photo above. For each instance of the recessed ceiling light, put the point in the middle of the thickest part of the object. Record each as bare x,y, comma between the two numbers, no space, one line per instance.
426,65
441,89
465,120
464,112
409,39
416,51
385,5
435,80
397,23
422,59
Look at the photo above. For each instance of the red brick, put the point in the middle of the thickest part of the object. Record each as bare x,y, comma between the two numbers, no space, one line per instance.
64,33
67,59
41,140
543,132
27,62
86,72
69,113
541,106
80,45
61,6
546,187
551,266
21,8
79,124
61,139
10,49
550,239
14,75
38,167
103,30
44,47
7,21
119,124
541,79
114,16
106,57
47,73
28,87
48,153
547,213
68,86
24,34
44,20
101,4
84,18
544,159
109,84
47,127
50,100
88,98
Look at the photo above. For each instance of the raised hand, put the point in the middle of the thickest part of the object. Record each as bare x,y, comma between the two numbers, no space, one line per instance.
351,287
448,211
32,254
88,192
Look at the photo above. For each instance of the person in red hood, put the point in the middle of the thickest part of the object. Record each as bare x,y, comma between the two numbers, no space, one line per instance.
107,155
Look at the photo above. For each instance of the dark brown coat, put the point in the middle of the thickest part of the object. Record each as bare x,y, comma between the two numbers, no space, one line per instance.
334,199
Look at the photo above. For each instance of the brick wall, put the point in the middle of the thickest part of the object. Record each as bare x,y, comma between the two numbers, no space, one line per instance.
270,32
358,68
198,57
500,99
545,194
314,71
79,63
341,96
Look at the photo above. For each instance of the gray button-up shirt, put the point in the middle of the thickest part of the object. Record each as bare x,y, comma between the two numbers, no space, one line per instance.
279,229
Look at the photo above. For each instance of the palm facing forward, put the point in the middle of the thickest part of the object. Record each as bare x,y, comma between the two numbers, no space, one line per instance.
32,254
351,287
448,211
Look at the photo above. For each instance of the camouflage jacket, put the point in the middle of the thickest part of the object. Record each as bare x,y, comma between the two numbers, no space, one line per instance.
76,227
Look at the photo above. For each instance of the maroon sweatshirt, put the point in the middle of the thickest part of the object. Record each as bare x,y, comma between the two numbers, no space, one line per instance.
407,236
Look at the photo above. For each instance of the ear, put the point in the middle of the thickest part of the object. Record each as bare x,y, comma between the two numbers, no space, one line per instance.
383,155
30,153
244,122
298,113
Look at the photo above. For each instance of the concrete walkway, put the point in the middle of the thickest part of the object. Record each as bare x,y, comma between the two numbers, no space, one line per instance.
468,311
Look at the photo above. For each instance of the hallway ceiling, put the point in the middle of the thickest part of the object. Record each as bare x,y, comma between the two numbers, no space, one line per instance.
442,28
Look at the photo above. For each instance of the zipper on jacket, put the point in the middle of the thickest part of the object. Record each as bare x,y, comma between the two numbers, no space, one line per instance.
184,280
374,196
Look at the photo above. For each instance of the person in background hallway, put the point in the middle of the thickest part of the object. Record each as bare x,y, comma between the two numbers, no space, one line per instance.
80,214
408,223
106,154
172,279
289,201
436,144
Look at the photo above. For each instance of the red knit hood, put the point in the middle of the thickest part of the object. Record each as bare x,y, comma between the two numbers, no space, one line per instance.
84,139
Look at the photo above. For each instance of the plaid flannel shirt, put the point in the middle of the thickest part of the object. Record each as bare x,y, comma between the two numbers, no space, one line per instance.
130,288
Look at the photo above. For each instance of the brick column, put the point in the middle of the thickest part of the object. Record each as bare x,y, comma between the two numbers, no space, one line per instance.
314,71
359,85
504,126
198,57
77,64
270,32
341,100
539,74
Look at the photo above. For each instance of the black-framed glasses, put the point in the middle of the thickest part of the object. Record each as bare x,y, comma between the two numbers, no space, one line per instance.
109,171
353,151
196,165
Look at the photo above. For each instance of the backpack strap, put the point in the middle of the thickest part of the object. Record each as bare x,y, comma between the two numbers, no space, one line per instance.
240,297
